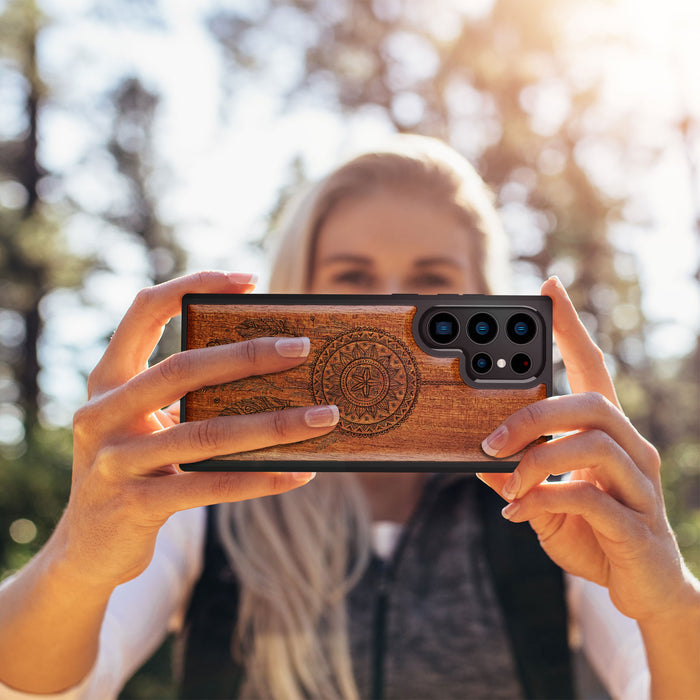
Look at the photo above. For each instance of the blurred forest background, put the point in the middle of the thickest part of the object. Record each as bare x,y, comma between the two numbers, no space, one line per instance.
561,106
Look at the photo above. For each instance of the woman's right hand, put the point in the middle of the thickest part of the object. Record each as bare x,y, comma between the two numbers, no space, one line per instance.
126,479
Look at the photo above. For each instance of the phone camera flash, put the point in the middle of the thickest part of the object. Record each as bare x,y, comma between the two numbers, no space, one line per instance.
501,363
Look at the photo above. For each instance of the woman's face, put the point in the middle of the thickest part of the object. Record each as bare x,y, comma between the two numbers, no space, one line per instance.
389,243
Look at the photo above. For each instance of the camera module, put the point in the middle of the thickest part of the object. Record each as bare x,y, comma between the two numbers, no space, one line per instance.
521,328
482,328
481,363
443,328
521,363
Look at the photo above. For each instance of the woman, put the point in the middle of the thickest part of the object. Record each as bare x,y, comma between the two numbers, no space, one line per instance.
288,569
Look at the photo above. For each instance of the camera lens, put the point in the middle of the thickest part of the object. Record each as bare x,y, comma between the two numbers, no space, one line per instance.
443,328
521,363
481,363
521,328
482,328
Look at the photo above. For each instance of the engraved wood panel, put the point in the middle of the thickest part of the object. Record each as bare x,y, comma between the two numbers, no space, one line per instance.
395,401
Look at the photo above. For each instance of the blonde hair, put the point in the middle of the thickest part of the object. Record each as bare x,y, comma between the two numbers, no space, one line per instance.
417,165
298,553
291,555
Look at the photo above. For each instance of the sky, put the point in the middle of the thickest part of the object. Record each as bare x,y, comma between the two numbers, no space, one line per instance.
223,165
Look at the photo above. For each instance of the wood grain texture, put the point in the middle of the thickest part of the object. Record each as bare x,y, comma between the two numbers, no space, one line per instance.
396,402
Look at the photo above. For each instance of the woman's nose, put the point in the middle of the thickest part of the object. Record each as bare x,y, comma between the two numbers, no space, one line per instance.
391,285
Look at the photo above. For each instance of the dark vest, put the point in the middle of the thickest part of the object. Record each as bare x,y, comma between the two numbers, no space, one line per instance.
528,586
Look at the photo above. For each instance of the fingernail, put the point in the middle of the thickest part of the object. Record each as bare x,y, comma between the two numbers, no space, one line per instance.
303,476
494,442
293,347
243,277
512,486
322,416
479,476
557,282
510,510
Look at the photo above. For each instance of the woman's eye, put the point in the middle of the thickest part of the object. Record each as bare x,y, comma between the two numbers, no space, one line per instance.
432,280
354,278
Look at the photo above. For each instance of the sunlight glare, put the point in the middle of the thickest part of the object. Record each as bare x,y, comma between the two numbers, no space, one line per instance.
475,9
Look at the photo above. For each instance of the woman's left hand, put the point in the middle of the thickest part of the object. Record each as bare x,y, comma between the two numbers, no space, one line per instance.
607,523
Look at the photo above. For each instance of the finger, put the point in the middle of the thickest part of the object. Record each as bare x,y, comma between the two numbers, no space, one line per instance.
591,450
601,511
175,492
494,480
139,331
173,377
563,414
583,359
172,414
213,437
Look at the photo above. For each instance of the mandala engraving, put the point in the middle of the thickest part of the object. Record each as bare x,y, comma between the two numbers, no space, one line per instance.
371,376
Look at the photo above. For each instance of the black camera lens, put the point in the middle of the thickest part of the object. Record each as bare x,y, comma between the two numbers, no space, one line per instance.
482,363
521,328
521,363
482,328
443,328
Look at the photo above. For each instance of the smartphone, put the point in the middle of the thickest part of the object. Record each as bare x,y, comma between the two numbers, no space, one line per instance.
419,380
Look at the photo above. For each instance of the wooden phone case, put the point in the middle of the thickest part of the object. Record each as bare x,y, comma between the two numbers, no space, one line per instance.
401,408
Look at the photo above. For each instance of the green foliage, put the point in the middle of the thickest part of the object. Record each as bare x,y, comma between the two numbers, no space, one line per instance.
677,420
34,486
35,459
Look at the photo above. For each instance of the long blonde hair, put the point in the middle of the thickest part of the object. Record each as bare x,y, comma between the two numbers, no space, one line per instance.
297,554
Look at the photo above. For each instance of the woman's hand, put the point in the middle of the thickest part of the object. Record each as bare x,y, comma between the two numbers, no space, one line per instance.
126,480
608,522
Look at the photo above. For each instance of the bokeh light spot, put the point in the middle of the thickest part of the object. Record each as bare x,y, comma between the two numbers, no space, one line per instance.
23,531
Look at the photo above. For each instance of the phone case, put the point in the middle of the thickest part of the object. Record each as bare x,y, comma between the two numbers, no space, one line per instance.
406,401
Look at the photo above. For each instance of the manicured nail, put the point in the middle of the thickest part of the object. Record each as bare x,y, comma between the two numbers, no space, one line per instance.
510,510
322,416
479,476
557,282
303,476
512,486
494,442
293,347
243,277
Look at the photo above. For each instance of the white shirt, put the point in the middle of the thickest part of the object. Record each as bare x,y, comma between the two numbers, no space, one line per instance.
141,612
